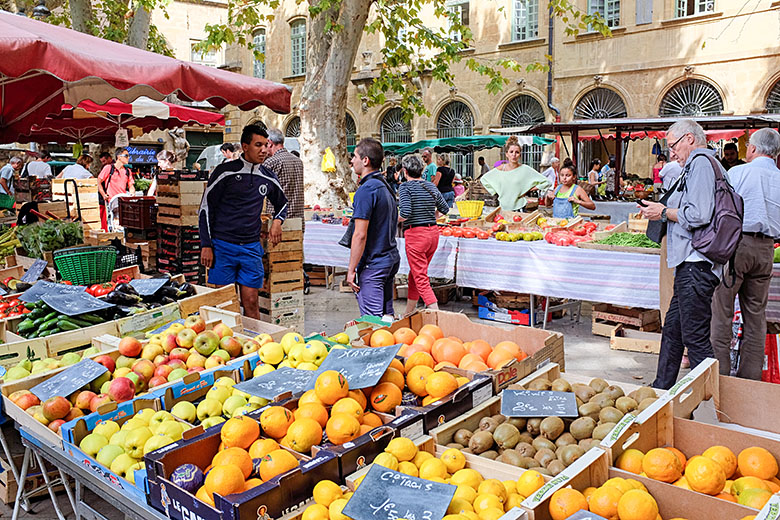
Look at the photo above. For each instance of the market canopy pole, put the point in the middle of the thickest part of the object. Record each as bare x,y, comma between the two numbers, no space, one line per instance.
53,66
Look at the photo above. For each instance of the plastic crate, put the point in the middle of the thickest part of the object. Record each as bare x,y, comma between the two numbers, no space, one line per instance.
470,208
137,212
86,265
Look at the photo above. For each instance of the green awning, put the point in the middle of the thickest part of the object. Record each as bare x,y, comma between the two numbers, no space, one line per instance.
460,144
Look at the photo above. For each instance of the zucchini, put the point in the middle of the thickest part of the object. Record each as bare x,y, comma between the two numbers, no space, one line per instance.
91,318
26,325
29,305
64,324
37,313
80,323
48,324
49,332
52,314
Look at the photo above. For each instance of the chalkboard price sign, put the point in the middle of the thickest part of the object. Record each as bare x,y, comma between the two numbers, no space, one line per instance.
35,271
273,384
147,286
362,367
585,515
42,287
385,494
69,380
75,304
538,403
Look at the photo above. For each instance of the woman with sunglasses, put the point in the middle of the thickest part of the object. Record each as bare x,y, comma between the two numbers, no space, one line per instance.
114,179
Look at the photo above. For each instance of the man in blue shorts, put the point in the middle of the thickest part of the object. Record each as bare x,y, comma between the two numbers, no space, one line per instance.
230,222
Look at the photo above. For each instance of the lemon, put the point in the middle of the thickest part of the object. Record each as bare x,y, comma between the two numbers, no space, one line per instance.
454,517
408,468
348,495
470,515
466,493
387,460
453,459
510,486
513,500
638,485
334,511
402,448
491,513
433,468
359,480
529,482
467,476
458,505
326,491
493,487
485,501
438,479
421,457
315,512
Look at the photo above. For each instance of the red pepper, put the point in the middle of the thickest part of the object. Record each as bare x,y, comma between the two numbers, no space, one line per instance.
100,289
66,282
25,310
123,278
8,280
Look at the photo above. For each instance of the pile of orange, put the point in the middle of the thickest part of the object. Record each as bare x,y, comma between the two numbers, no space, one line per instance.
617,498
475,356
749,478
243,460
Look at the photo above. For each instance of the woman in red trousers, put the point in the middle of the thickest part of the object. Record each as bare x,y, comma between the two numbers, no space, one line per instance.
419,203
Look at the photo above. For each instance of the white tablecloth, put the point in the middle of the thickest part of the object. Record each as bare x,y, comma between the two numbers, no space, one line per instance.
773,306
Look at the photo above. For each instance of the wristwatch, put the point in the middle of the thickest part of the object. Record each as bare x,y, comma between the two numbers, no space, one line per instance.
663,215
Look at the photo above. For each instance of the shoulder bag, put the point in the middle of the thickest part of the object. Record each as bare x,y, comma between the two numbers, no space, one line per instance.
346,239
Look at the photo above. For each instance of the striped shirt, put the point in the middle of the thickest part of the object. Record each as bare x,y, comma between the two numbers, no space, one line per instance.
418,202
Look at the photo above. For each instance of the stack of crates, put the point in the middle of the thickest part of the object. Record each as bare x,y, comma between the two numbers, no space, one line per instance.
88,200
281,297
33,189
178,241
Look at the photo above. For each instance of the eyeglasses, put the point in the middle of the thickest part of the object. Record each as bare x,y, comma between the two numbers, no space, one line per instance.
671,147
125,155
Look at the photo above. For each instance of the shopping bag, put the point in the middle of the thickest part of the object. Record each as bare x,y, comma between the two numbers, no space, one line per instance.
328,161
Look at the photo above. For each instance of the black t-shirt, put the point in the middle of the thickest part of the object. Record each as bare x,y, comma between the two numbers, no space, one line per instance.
445,181
390,175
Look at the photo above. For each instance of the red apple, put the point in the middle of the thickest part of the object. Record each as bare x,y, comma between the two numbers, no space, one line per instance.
121,389
207,342
186,338
162,371
107,361
83,399
195,369
157,381
231,345
98,401
169,343
24,399
160,360
74,413
250,346
151,351
176,363
180,354
196,323
144,368
56,408
222,330
55,425
130,347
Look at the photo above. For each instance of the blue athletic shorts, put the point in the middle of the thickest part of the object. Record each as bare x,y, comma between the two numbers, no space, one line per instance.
237,263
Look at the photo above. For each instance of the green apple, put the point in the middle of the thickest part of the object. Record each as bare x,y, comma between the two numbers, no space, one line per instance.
271,353
25,364
121,463
245,395
15,373
289,340
118,439
105,387
92,443
307,366
209,408
212,421
96,385
315,352
71,358
108,453
185,411
107,429
224,354
295,356
158,418
176,374
135,440
258,401
233,403
89,351
244,409
172,429
219,393
263,369
145,415
130,473
224,381
285,363
132,424
155,442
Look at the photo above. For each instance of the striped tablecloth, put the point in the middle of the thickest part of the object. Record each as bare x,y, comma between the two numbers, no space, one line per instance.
320,247
773,306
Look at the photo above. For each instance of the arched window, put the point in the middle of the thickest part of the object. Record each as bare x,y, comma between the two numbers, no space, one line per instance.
522,111
394,129
298,41
457,120
351,131
258,43
293,127
773,100
259,122
600,103
692,97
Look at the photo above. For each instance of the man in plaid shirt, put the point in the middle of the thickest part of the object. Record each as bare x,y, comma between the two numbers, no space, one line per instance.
288,169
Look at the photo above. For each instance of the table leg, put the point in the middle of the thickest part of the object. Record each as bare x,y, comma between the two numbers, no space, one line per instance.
49,486
14,471
546,309
531,311
20,483
68,491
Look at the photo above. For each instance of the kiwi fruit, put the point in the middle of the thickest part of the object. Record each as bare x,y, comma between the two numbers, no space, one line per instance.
587,444
528,463
499,418
610,414
578,401
491,454
525,449
532,426
581,428
590,410
540,384
544,471
565,439
555,467
551,427
480,442
544,456
526,437
455,445
560,385
462,436
466,450
517,422
488,424
644,403
506,436
603,400
602,430
584,392
614,392
598,384
510,457
626,404
570,453
644,393
540,443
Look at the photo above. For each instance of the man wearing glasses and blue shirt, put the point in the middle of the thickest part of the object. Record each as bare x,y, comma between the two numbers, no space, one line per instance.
114,179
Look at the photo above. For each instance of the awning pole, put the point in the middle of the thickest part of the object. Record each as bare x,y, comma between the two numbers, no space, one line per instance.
618,152
560,134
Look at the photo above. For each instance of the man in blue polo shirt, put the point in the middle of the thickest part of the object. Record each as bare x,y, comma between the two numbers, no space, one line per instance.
373,258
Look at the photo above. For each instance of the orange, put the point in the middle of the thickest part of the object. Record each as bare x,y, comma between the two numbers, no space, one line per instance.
604,502
224,480
419,358
240,432
385,397
275,463
773,486
275,421
416,378
303,434
443,364
432,330
309,396
394,376
252,482
468,358
372,420
382,338
630,460
234,456
755,498
359,396
723,456
481,348
440,384
313,411
428,400
407,350
342,428
565,502
705,475
348,406
637,505
331,386
365,428
497,358
757,462
680,455
726,496
425,341
662,464
404,335
456,338
396,364
513,348
449,350
262,447
476,366
204,496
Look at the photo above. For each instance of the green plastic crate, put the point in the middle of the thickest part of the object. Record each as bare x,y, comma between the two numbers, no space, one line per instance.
86,265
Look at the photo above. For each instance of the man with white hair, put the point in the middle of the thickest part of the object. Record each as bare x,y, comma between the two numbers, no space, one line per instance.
690,206
7,175
758,183
552,172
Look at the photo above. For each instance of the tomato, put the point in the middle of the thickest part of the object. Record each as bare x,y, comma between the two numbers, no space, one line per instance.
517,218
483,235
66,282
610,227
581,232
590,226
457,232
564,241
4,306
14,302
14,313
25,310
123,278
498,218
447,232
468,233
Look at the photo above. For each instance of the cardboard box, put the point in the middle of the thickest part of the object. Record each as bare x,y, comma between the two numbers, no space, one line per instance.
490,311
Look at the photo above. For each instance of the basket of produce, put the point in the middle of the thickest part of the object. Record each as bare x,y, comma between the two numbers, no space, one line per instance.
86,265
625,242
49,236
470,208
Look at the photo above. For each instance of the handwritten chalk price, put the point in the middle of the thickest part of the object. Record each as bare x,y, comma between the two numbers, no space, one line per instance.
273,384
538,403
362,367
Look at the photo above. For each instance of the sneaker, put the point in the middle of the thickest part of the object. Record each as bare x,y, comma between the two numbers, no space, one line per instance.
685,362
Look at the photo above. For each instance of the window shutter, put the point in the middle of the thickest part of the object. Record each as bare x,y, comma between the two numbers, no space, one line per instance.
644,11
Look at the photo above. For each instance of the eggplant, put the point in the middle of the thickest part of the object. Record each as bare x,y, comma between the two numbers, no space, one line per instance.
169,292
188,289
166,300
126,288
120,298
19,286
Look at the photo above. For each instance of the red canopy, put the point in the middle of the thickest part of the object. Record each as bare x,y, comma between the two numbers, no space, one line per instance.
712,135
48,66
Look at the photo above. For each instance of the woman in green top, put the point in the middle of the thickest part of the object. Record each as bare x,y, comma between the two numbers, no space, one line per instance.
512,181
569,197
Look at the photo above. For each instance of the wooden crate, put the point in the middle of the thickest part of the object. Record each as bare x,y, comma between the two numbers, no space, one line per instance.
288,300
647,320
9,486
285,281
181,187
177,211
623,338
637,223
224,298
279,261
180,221
291,241
182,199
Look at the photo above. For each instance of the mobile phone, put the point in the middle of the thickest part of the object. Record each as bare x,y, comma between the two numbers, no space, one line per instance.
642,203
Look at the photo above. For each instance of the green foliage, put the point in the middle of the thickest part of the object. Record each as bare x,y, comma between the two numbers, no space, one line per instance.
50,236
